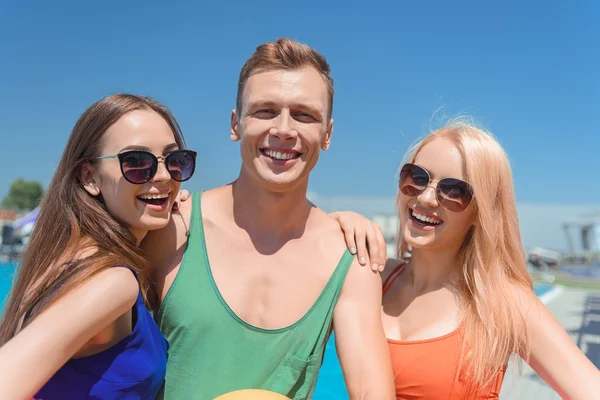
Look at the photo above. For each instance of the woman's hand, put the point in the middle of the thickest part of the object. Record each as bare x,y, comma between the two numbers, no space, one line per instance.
363,237
182,196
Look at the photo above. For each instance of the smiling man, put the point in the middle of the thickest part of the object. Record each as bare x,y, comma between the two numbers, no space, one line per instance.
253,277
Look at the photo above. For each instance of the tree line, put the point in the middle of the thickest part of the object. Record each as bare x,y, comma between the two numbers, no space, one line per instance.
23,195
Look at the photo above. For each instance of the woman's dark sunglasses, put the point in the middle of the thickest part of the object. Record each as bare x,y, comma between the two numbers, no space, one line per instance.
452,194
139,166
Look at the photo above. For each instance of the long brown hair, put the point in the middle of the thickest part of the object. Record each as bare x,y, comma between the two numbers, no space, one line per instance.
75,237
491,258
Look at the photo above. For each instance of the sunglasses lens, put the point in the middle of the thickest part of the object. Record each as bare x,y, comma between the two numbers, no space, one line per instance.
454,194
413,180
181,164
138,166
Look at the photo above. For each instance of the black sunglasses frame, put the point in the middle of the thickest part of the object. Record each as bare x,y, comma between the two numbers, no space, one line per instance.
154,167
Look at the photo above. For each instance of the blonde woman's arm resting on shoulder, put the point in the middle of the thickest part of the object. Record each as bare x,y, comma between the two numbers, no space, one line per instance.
555,357
360,341
54,336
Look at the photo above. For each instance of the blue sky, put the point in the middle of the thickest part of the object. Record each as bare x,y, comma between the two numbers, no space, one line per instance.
528,71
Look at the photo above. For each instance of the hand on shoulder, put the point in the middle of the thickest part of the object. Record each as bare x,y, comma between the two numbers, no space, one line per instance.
363,238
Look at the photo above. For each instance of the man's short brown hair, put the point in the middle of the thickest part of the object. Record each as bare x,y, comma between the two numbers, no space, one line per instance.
286,54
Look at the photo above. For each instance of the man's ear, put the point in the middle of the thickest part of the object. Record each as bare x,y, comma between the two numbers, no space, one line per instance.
327,139
88,180
235,126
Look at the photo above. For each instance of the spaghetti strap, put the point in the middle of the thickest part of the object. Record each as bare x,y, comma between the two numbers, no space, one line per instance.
389,281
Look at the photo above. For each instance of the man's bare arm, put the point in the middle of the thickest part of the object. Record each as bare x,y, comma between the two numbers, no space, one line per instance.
360,340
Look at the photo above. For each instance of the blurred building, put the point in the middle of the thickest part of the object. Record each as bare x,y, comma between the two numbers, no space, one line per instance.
389,226
7,218
582,235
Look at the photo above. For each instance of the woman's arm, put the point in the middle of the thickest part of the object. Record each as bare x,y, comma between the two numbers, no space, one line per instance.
54,336
555,357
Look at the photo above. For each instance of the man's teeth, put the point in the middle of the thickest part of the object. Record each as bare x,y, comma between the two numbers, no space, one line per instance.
424,218
154,196
279,155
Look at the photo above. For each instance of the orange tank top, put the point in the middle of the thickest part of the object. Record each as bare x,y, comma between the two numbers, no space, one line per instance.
428,369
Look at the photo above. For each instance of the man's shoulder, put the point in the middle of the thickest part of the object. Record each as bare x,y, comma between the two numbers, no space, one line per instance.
210,194
209,199
358,277
328,230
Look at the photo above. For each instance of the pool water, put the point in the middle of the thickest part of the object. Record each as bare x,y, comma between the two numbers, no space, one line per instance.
541,289
330,385
6,276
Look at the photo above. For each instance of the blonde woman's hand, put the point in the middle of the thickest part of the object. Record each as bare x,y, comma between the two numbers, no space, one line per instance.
364,238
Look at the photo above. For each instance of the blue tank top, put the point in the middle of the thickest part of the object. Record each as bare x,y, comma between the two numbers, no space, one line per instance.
133,369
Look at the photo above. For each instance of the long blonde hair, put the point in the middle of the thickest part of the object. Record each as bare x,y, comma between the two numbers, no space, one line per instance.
491,257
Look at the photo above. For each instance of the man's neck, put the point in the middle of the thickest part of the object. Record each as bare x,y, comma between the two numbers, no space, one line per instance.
270,218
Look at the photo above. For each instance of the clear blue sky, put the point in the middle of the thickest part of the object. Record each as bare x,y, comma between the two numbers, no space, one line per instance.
529,71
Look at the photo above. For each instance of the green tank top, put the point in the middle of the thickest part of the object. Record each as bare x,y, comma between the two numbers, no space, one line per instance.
213,352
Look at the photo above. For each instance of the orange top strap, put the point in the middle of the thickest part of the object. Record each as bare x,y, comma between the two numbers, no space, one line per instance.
389,281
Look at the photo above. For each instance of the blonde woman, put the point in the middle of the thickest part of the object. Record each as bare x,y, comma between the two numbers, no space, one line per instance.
460,302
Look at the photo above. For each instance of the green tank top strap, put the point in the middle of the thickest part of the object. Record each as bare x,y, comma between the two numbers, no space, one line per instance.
335,285
196,217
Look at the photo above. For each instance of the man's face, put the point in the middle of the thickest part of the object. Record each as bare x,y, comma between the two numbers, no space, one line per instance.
283,126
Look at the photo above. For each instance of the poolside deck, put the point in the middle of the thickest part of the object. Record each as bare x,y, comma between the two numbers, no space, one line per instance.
579,312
